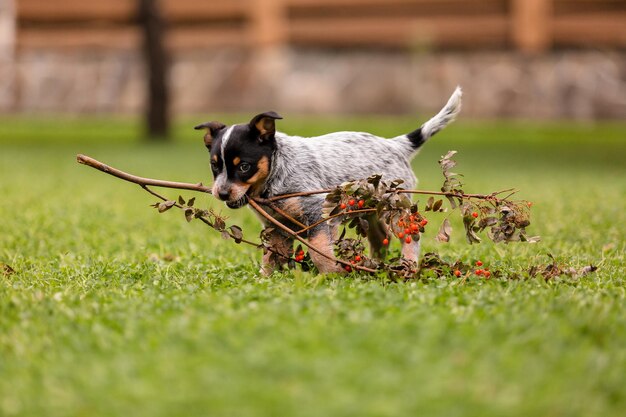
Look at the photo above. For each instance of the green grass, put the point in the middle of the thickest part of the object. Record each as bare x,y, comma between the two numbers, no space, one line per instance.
95,321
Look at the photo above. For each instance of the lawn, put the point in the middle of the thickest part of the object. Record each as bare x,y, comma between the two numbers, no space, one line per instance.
113,309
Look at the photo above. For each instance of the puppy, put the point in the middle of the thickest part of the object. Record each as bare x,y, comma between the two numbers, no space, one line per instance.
254,160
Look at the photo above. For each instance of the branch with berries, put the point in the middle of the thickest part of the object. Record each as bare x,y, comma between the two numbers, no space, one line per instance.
352,206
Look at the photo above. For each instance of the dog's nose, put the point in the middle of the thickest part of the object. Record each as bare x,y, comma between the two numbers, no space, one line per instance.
223,195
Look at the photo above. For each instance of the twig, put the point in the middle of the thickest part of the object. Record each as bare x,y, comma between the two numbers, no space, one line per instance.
85,160
203,220
491,196
300,194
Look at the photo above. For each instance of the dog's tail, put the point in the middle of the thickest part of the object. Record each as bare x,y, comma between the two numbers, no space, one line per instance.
418,137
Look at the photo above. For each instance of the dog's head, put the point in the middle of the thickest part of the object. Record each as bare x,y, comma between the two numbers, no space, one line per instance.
241,157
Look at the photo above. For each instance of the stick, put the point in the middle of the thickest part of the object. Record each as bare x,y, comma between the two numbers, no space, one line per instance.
86,160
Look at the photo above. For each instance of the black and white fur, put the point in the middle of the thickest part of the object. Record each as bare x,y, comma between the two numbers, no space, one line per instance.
254,160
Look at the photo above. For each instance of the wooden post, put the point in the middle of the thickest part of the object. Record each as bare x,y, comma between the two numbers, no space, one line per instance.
7,53
156,62
268,23
531,22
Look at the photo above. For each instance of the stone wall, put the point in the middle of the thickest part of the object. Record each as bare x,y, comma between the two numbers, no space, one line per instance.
572,85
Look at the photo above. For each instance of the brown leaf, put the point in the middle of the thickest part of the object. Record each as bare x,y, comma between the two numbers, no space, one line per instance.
166,205
452,201
181,200
444,231
219,223
437,205
429,204
487,221
237,233
191,201
189,214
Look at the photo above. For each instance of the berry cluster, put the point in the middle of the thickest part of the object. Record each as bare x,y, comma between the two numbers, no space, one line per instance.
408,228
484,272
299,256
354,261
352,202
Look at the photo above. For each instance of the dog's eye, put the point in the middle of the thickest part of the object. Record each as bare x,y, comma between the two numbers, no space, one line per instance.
244,167
214,165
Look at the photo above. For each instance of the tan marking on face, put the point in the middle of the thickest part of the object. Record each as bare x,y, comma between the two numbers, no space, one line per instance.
324,242
214,158
236,161
256,181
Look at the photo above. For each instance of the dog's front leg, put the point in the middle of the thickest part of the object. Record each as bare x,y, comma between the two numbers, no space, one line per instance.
411,251
322,237
280,249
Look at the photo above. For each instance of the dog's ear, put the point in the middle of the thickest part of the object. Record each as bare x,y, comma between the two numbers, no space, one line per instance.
265,124
211,130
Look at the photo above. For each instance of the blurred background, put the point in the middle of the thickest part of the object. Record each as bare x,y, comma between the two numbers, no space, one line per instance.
112,305
539,59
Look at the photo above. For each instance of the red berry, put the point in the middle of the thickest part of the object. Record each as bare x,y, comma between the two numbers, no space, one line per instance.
351,202
301,253
407,231
400,235
361,203
479,263
299,258
479,272
412,218
474,214
408,239
357,258
385,241
487,274
348,268
415,228
457,273
424,222
342,206
529,204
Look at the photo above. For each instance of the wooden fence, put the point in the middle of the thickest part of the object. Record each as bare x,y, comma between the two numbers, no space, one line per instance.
525,25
